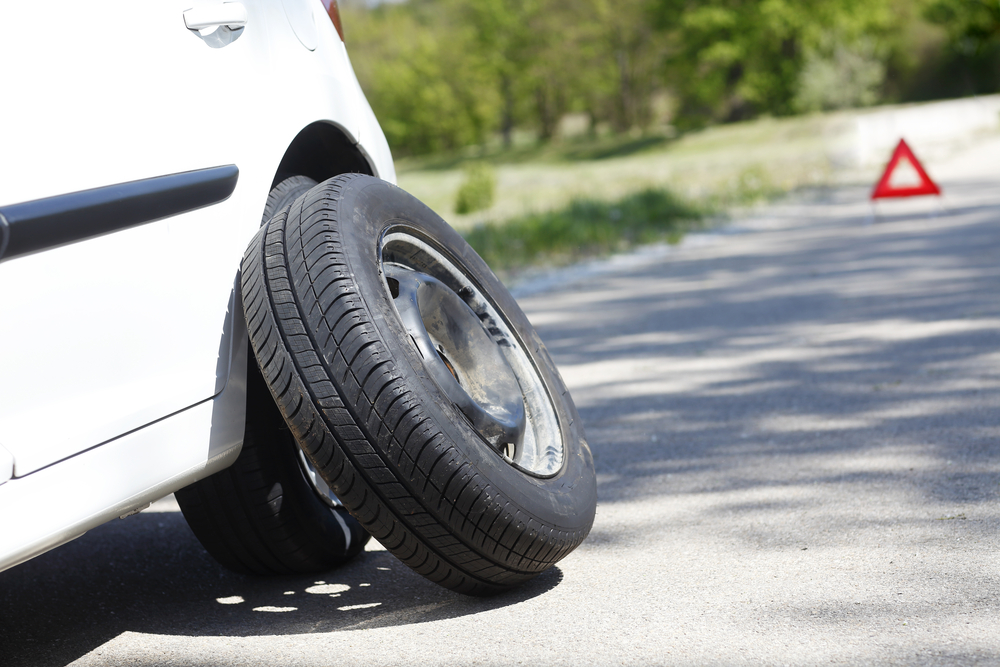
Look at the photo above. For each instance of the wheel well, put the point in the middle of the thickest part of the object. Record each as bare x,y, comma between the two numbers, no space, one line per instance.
321,151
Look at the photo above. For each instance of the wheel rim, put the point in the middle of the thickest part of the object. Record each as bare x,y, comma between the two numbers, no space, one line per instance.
469,349
312,476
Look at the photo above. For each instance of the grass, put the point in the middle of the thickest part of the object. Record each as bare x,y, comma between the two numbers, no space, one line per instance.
584,228
715,169
565,200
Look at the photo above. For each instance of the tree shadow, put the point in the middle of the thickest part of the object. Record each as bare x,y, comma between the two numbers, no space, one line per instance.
578,149
148,574
616,149
831,338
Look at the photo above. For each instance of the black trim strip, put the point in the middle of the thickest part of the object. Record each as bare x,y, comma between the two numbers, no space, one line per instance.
44,224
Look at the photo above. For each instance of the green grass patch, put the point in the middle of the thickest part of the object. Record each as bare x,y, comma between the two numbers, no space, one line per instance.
584,228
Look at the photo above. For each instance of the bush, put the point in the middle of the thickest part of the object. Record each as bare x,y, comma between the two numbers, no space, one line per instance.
844,79
477,191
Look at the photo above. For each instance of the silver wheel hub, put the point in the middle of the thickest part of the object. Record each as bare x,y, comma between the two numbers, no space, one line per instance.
461,357
472,354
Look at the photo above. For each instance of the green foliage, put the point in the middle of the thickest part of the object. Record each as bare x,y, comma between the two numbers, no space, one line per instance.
477,190
501,34
845,77
751,185
971,62
733,59
445,74
422,77
584,228
972,25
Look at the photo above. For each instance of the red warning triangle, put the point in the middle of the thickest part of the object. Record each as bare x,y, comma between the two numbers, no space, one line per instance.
904,176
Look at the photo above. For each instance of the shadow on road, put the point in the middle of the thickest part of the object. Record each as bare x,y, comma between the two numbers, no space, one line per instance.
148,574
838,338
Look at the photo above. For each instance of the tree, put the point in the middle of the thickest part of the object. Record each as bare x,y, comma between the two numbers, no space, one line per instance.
503,39
972,65
631,51
442,74
972,25
734,59
422,76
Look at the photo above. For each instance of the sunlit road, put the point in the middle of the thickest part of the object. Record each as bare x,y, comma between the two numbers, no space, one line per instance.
797,435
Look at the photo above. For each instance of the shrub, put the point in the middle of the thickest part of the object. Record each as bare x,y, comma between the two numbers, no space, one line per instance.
584,228
477,190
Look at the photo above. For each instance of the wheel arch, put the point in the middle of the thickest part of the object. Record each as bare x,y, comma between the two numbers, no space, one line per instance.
322,150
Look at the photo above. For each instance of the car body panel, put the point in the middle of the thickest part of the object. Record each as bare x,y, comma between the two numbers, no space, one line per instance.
124,329
137,333
122,377
6,465
62,502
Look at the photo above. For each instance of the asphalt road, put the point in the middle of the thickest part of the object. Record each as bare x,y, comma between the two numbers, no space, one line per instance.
795,427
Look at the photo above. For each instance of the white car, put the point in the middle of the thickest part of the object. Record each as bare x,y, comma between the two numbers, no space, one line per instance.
142,146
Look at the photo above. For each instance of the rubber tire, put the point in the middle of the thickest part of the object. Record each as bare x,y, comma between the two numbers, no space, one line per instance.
284,193
350,384
260,515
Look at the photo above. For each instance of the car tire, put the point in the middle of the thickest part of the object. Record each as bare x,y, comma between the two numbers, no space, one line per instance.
399,362
284,193
269,513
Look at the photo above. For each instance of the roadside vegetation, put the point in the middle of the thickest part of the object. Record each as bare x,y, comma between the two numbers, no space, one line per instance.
582,229
446,74
723,165
549,130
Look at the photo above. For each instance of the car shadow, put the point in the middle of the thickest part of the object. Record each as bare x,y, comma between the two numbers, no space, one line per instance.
148,574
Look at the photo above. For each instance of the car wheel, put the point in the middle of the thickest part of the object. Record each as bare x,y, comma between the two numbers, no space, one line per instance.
271,512
417,387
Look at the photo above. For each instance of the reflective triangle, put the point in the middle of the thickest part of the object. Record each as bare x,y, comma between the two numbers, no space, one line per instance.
904,176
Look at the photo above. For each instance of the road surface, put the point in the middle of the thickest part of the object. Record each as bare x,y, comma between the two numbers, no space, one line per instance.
796,428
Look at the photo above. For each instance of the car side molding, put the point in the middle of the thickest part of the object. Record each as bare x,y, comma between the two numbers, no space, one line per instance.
44,224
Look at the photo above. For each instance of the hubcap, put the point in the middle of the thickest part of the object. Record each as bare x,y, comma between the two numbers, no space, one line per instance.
470,351
461,357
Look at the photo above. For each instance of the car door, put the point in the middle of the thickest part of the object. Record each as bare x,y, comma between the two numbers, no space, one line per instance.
103,335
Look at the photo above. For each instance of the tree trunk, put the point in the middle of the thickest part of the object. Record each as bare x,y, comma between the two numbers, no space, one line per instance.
624,120
507,118
543,106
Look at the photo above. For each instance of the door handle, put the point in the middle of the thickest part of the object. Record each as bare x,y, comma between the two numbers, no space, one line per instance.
232,15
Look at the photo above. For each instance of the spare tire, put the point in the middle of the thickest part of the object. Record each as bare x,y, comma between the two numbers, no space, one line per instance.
417,387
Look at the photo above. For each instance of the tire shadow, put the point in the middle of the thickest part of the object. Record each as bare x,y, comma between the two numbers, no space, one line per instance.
148,574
